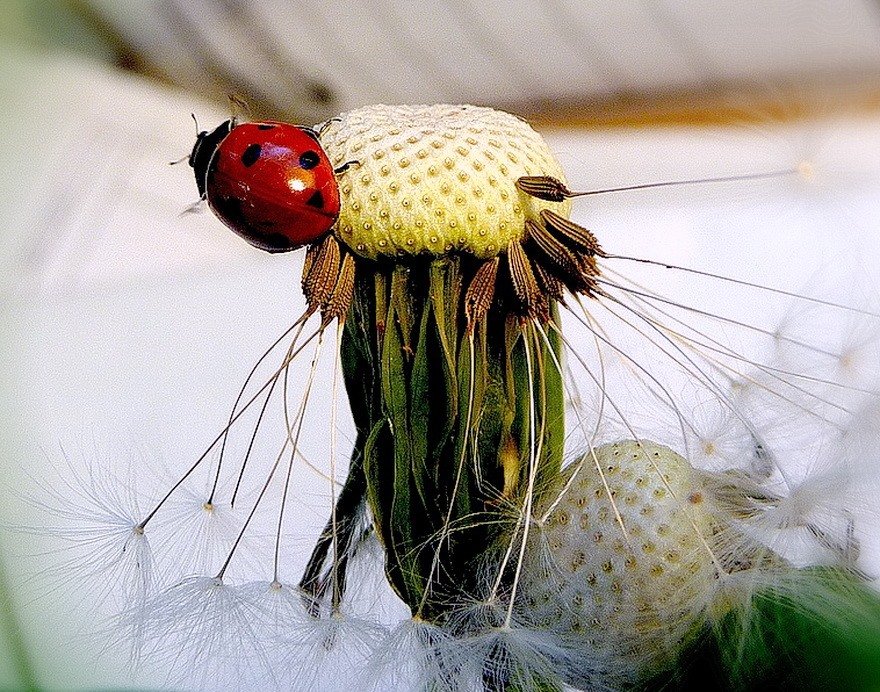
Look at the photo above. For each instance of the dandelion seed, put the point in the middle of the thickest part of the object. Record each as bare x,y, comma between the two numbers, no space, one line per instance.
329,653
413,655
93,532
199,633
195,536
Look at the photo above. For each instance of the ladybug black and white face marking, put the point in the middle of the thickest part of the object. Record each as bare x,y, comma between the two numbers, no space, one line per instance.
269,182
204,148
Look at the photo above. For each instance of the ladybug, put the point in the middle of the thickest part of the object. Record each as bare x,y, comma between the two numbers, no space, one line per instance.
270,182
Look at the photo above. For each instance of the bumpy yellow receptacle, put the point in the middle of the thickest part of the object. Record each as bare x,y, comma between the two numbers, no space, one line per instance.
436,179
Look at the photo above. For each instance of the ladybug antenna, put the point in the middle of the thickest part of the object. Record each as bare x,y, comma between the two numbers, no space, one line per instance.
188,156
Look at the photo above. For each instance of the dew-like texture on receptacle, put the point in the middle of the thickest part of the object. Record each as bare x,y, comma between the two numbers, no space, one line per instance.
628,599
436,179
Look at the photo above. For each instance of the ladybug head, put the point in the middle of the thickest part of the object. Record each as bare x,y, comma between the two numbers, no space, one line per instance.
203,150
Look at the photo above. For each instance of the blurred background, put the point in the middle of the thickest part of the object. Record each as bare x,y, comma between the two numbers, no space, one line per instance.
119,312
553,61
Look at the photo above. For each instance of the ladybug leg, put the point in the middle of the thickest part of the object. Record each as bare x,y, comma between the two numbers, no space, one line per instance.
312,132
195,208
322,127
345,166
318,130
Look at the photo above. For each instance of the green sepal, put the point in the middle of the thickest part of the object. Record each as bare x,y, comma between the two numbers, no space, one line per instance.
437,403
445,296
818,629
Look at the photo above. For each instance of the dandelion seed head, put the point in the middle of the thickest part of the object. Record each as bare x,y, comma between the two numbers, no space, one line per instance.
622,565
478,227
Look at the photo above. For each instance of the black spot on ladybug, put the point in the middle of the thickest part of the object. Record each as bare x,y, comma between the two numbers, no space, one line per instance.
316,200
309,159
251,155
266,126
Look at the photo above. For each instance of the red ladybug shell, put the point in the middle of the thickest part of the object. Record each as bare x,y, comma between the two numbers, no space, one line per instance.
270,182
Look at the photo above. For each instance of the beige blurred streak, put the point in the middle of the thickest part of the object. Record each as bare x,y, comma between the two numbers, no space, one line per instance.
557,62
